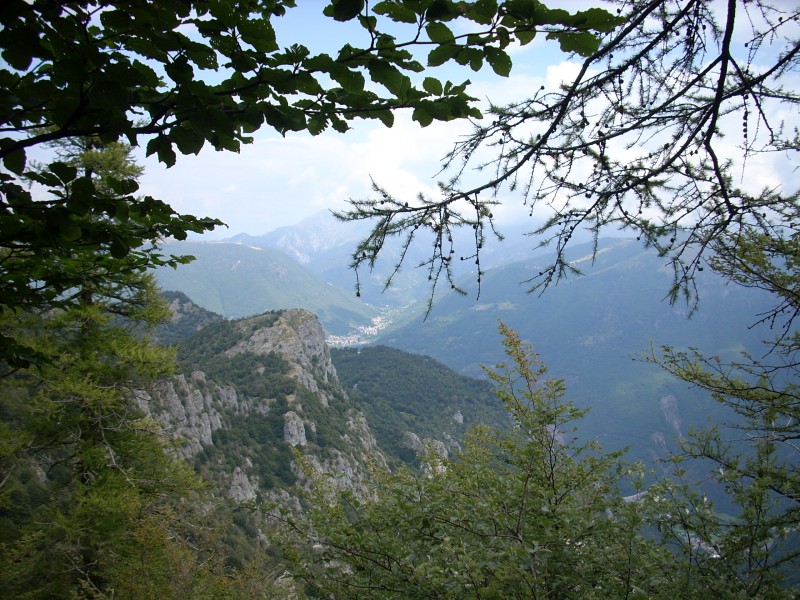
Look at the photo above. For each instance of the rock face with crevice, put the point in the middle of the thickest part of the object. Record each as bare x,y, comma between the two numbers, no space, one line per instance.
294,431
190,408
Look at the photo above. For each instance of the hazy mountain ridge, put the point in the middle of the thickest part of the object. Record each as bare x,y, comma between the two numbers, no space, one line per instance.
236,280
326,246
309,238
618,302
588,329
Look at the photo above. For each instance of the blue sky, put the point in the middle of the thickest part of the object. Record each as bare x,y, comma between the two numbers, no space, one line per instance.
278,181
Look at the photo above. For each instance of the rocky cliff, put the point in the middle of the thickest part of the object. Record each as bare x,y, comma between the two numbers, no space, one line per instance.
254,396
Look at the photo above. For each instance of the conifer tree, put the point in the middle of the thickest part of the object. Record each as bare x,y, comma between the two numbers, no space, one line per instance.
89,493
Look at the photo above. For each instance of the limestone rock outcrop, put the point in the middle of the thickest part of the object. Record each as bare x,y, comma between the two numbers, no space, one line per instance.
242,436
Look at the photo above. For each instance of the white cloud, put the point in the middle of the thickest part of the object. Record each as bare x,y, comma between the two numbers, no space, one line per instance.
278,181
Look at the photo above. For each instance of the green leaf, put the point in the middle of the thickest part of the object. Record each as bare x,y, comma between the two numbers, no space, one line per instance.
344,10
499,61
553,16
69,230
320,62
162,146
15,161
19,47
597,19
317,124
180,71
285,118
146,75
483,11
386,117
116,19
472,57
466,55
386,43
441,10
414,66
121,212
351,81
525,36
432,86
388,75
119,249
307,84
83,190
441,54
43,177
66,173
439,33
582,43
340,124
503,37
259,34
523,9
123,186
422,116
395,11
187,140
370,23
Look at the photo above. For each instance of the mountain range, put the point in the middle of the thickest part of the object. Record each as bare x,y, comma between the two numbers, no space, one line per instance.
592,330
325,245
260,396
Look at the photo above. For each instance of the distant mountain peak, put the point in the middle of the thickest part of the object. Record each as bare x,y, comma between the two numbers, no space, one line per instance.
308,238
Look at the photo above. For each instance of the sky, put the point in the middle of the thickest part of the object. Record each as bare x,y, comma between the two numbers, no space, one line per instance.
277,181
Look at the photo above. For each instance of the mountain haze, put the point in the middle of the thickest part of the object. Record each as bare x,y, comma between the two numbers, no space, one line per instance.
589,330
236,280
326,245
